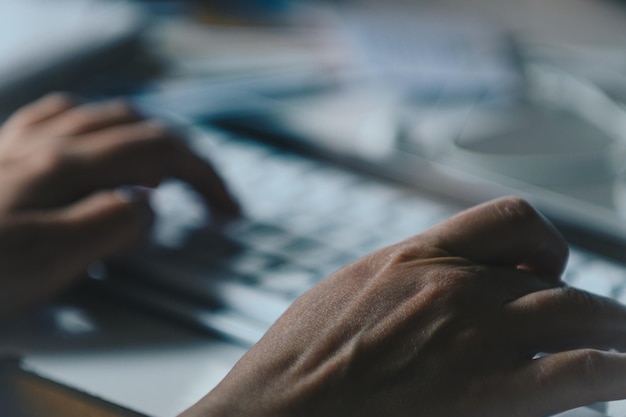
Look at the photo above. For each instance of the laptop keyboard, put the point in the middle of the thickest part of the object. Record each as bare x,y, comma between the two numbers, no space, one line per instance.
304,220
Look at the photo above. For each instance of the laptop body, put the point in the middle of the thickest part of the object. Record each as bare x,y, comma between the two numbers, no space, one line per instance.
270,256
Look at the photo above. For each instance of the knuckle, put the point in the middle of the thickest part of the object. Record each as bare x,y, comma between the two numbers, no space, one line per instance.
517,208
160,133
46,163
79,121
412,250
442,274
122,108
59,100
399,255
28,116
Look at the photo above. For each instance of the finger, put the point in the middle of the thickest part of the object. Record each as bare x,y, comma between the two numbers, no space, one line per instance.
508,232
570,379
201,175
91,117
43,252
146,153
41,110
103,224
566,318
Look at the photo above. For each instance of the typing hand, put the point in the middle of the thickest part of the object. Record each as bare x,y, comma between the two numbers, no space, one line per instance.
446,323
61,168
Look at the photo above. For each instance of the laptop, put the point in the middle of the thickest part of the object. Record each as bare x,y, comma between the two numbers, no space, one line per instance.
315,202
53,46
236,279
313,207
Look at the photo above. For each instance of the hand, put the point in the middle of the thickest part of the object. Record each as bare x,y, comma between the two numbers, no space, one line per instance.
446,323
61,166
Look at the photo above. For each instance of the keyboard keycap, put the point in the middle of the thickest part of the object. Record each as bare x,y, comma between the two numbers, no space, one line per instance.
289,281
599,277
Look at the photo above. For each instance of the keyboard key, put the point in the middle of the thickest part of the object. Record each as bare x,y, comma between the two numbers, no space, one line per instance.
264,306
316,258
301,247
305,221
207,245
577,258
599,277
264,237
289,281
616,408
252,262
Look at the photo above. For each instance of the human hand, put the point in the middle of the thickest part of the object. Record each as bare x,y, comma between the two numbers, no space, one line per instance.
61,208
446,323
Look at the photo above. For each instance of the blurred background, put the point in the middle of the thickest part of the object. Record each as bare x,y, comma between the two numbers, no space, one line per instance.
471,99
525,94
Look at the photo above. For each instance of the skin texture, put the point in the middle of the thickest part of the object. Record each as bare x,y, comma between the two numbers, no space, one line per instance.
61,163
443,324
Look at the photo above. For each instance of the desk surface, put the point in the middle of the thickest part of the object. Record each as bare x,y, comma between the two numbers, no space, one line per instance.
122,355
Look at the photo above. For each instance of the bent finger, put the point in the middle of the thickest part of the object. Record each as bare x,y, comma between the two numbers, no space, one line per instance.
571,379
145,153
91,117
506,232
41,110
566,318
201,175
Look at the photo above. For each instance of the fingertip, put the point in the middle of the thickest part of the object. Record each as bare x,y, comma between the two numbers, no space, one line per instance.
201,175
43,109
137,200
550,253
106,223
133,193
54,102
546,259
